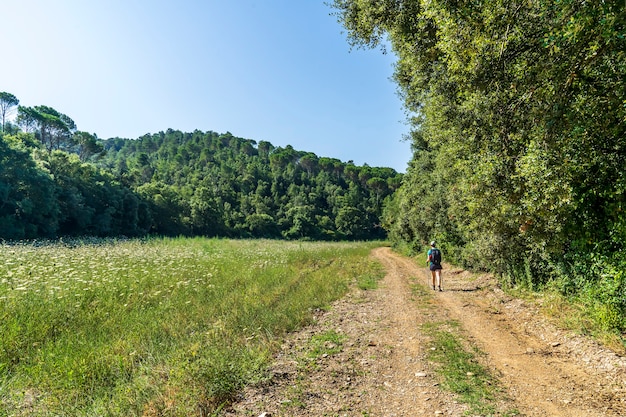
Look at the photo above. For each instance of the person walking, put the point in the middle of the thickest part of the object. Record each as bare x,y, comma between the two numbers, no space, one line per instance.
434,261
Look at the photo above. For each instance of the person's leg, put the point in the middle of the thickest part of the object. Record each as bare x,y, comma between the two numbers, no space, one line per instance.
439,279
433,274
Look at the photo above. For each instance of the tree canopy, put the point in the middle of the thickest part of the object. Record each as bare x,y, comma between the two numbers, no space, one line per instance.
518,111
55,130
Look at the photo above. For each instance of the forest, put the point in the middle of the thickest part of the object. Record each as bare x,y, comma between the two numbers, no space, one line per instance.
518,115
57,181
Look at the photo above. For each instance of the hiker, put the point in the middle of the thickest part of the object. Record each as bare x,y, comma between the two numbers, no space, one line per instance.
434,259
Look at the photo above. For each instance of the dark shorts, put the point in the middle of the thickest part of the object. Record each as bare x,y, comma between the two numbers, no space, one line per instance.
434,267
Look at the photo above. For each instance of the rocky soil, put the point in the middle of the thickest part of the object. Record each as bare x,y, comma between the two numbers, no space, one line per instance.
370,356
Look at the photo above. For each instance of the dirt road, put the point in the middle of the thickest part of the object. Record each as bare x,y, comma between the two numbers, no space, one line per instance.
379,367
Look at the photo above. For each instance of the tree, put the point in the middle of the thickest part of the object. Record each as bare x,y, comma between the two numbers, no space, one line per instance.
7,102
55,130
88,145
352,223
309,162
28,206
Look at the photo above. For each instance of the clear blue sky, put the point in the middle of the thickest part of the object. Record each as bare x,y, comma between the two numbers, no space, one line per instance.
275,70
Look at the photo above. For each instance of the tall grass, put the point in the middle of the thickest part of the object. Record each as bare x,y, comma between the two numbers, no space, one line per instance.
168,327
584,292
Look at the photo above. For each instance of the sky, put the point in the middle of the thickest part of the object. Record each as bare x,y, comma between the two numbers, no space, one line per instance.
281,71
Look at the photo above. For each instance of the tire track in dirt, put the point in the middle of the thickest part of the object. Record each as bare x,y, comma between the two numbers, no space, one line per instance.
540,376
380,371
411,390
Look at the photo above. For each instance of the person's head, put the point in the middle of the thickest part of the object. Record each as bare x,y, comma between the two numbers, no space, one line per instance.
433,243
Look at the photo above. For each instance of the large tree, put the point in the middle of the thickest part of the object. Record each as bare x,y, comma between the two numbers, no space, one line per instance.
88,145
7,102
28,206
55,130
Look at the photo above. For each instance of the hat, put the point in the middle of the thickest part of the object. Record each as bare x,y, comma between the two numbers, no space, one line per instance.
432,243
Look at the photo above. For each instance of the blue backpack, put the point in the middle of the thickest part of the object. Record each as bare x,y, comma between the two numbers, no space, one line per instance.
435,256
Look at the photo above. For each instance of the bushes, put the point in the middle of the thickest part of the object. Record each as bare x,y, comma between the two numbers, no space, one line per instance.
598,282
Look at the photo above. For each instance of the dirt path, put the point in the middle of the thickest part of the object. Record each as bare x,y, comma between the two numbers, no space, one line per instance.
379,368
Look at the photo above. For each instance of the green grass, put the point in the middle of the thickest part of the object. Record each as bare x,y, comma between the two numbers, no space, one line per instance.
459,369
368,279
456,362
578,313
168,327
327,343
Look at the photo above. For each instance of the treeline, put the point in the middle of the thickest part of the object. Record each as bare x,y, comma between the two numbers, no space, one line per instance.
58,181
519,137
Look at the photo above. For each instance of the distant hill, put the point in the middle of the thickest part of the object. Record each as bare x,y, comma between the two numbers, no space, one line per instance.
187,183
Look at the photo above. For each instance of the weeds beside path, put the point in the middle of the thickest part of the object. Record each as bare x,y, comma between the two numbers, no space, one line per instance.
404,350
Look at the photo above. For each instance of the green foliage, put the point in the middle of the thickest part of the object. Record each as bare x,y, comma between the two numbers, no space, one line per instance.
519,133
210,184
91,202
54,129
597,283
27,205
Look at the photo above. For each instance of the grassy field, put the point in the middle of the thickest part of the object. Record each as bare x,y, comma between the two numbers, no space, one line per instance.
167,327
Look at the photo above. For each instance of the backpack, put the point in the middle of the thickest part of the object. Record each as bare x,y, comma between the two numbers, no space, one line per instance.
435,256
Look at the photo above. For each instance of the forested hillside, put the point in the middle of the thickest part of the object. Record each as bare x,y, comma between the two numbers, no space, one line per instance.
519,137
58,181
218,184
